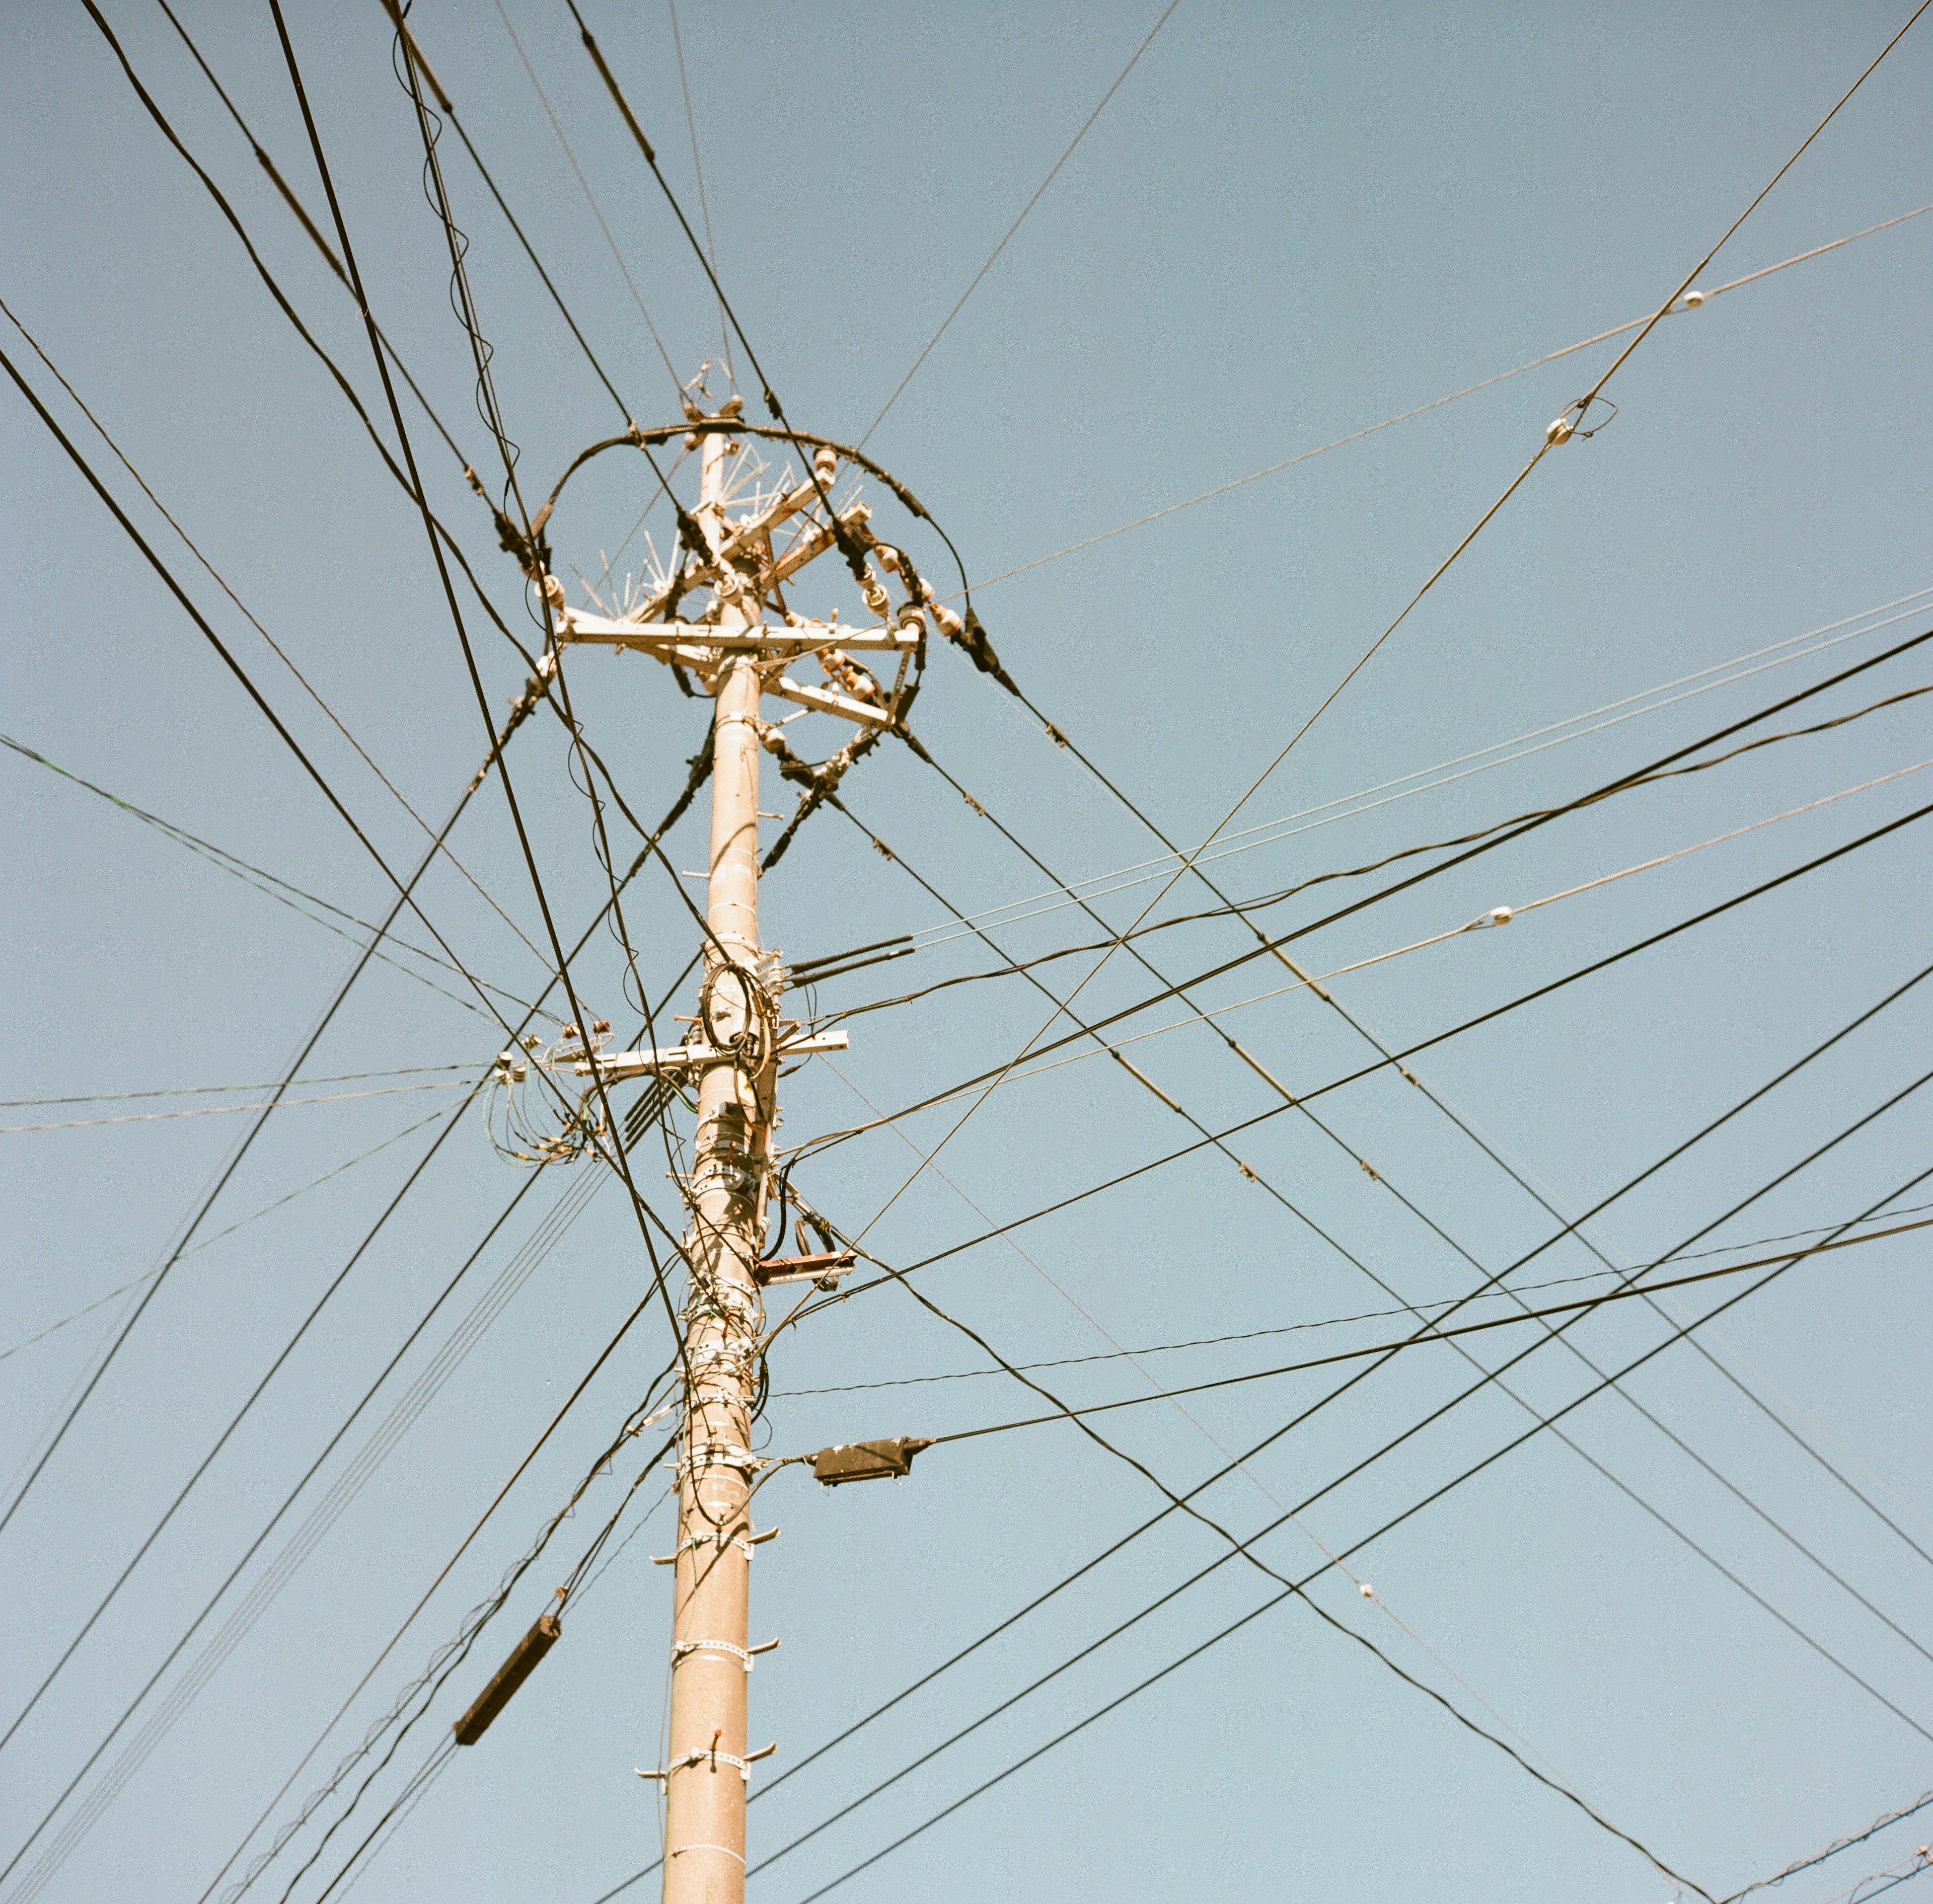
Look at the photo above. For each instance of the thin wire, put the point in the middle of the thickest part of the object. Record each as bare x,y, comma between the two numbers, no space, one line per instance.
1502,376
218,1110
59,1433
1326,1322
1571,1227
704,204
590,198
249,615
213,1090
1289,1592
408,1130
1314,981
1394,1059
1251,838
1085,123
289,311
1839,1845
1430,1332
1441,569
250,875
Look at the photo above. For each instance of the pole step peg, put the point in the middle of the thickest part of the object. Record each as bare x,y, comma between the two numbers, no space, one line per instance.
745,1655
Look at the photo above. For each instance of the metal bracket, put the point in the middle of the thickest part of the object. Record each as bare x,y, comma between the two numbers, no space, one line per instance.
745,1654
714,1758
823,1270
668,1060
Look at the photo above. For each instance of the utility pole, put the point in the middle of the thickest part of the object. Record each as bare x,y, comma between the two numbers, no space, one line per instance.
733,1054
706,1766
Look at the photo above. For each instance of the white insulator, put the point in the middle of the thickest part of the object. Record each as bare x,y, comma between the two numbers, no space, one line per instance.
1692,299
1559,431
825,464
1500,915
890,557
553,590
948,619
1368,1592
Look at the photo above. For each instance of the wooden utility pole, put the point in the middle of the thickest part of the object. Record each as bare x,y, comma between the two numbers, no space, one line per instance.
732,1055
706,1769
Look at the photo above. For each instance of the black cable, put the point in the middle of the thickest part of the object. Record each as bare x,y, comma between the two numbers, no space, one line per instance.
289,311
1623,1190
1382,1177
1289,1592
241,674
208,1607
310,1040
615,1155
1428,1334
444,1664
1241,908
1455,1030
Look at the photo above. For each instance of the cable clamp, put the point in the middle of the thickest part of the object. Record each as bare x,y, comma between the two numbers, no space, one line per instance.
744,1654
716,1454
691,1543
713,1759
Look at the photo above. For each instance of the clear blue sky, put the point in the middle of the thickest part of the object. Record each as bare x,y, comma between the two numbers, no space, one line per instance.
1290,223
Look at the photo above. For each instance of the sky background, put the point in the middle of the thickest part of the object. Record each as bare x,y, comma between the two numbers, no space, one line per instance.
1288,224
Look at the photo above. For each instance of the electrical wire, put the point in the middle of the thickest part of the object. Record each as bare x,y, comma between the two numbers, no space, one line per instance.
1552,439
1294,1328
1678,1441
1571,1227
1292,1208
1430,1333
289,311
1085,123
408,1130
1122,879
1679,309
1394,1060
250,875
218,1090
491,410
590,198
405,890
209,1605
704,204
1839,1845
1034,1046
218,1110
1289,1592
281,653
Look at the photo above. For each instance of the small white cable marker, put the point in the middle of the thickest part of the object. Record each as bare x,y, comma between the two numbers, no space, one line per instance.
1560,432
1498,915
1368,1592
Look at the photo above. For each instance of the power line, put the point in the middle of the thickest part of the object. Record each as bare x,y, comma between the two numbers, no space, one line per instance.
1430,1333
1241,908
1678,309
408,1130
1326,1322
1288,1593
289,311
1839,1845
1394,1059
1571,1227
1237,1051
249,615
277,1103
308,1045
1134,60
277,888
213,1090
